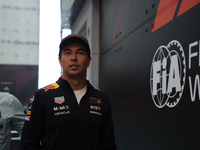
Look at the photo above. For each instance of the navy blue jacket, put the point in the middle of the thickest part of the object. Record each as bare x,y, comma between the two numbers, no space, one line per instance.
55,121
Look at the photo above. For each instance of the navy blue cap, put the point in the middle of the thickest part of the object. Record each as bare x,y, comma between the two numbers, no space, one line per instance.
74,38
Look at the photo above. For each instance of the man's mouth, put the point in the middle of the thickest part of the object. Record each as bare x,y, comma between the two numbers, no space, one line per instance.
73,66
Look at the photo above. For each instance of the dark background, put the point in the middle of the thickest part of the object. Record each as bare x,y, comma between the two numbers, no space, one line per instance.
127,51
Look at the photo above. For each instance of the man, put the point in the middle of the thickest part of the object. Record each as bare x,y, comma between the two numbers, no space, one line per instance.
70,114
12,116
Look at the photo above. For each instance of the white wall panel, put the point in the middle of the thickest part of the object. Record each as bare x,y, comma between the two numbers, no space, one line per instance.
19,32
89,14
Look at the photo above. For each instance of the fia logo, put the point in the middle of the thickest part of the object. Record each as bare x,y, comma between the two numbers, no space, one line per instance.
168,73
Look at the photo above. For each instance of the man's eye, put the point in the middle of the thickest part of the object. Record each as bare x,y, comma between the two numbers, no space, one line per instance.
67,53
81,53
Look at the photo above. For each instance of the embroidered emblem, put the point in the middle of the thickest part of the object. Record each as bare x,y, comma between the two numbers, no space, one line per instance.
95,100
29,113
52,86
59,100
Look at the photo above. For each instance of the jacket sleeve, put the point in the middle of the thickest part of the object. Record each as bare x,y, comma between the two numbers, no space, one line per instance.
18,117
33,126
107,136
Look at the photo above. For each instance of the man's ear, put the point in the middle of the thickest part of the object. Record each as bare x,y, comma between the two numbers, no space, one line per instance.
89,60
60,61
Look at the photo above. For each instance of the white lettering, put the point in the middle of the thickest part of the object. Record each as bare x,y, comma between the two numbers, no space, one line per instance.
196,82
94,112
164,76
192,54
95,107
61,113
156,79
174,76
61,108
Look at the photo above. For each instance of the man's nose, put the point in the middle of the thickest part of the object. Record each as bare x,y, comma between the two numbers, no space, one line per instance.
73,58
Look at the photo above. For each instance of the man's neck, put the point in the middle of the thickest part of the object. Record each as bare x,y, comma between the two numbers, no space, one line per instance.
76,83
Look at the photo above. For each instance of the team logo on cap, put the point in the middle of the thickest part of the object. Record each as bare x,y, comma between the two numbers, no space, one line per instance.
168,73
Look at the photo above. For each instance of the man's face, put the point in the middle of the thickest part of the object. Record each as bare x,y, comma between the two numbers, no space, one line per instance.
74,60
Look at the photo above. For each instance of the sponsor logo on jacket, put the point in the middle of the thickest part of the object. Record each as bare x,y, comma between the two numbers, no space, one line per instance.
28,117
95,100
62,113
51,87
95,107
61,110
59,100
95,110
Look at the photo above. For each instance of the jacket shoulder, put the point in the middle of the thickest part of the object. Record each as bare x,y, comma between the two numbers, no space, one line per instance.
99,92
49,87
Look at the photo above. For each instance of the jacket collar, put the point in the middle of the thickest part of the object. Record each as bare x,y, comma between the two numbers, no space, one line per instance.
64,83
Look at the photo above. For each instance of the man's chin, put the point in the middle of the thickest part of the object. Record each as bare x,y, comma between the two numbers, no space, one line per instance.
74,74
